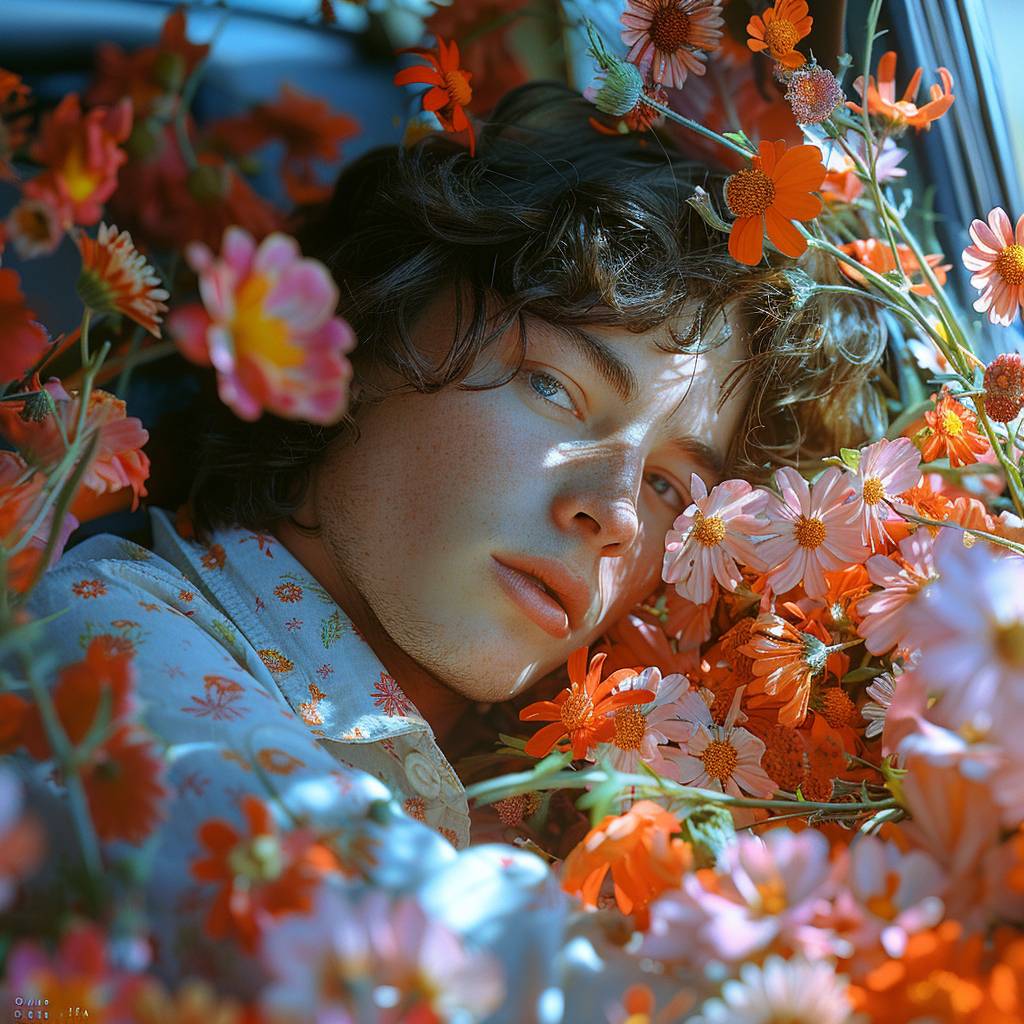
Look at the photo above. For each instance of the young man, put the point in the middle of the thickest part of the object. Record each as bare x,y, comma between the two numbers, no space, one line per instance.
551,342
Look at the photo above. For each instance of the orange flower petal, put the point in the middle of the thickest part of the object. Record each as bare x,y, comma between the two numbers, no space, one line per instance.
746,240
785,237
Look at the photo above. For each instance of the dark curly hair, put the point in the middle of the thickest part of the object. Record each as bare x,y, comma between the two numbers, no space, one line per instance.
553,219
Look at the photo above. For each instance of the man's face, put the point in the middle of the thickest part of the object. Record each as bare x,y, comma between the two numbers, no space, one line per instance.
450,507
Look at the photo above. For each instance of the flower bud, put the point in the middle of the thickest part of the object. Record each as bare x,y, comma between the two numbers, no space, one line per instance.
1004,387
621,89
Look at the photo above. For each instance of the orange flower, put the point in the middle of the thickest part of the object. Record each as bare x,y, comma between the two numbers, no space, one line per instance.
22,340
261,874
193,1002
785,662
583,710
115,278
643,851
778,31
877,255
773,192
81,156
882,102
953,433
450,93
13,119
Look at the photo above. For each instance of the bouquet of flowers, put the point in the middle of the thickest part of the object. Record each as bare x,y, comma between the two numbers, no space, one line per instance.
797,757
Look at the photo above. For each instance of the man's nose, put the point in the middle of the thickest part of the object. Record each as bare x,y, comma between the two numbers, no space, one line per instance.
599,501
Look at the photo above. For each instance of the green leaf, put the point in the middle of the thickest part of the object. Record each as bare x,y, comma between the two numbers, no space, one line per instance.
850,457
332,629
709,829
512,741
860,675
555,761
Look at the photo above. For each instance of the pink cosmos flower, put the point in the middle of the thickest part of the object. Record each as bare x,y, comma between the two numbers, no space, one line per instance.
267,326
881,692
887,469
710,536
377,959
886,896
642,730
996,261
797,991
884,621
817,530
969,627
671,37
763,891
21,838
724,757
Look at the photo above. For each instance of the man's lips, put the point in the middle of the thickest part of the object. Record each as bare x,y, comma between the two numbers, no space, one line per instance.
546,590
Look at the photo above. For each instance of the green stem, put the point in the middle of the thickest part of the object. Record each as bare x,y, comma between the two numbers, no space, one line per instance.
992,538
695,127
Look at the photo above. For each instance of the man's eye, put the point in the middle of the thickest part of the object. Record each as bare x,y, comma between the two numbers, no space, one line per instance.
549,388
667,491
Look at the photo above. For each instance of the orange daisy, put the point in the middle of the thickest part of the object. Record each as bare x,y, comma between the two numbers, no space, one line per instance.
583,710
769,195
262,874
952,432
877,255
778,31
642,849
450,93
882,102
115,278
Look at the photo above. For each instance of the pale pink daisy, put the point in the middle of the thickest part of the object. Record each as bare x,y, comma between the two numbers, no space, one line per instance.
969,628
887,469
764,891
671,37
816,529
874,711
887,895
710,536
725,757
643,730
796,991
267,325
996,261
379,959
884,613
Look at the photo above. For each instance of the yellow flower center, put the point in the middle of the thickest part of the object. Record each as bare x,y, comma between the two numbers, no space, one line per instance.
944,994
78,179
577,709
874,490
670,28
749,193
630,727
708,530
809,532
1008,641
836,707
1010,264
31,222
259,860
773,896
952,425
458,87
720,758
256,333
781,36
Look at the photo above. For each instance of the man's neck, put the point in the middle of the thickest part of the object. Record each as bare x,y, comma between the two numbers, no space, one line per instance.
440,706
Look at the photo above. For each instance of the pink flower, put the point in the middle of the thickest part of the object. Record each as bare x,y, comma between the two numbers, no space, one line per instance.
723,757
763,891
671,37
997,263
875,710
332,966
709,537
21,838
886,469
643,730
887,895
969,627
884,622
268,328
817,531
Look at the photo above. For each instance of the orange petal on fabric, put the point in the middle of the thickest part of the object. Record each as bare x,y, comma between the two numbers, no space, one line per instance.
417,74
783,234
746,241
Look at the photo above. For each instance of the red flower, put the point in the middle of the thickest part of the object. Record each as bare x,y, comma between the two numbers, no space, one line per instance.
877,255
882,102
81,156
953,432
583,711
261,874
450,93
13,119
22,340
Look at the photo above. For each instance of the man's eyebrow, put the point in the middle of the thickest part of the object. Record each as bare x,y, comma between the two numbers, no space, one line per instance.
618,374
702,452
